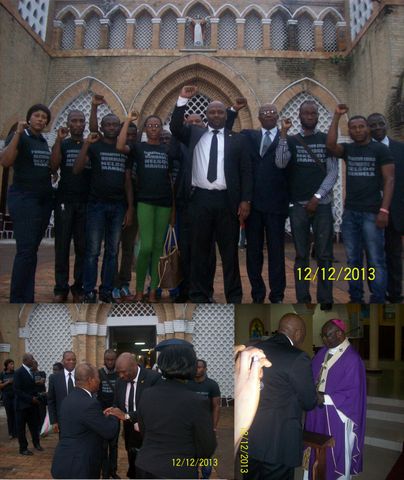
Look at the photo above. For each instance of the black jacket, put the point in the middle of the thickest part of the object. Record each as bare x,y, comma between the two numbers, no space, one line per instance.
270,187
147,378
276,435
83,430
397,204
176,424
24,389
56,393
237,164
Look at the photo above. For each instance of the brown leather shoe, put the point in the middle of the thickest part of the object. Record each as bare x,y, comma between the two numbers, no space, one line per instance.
60,298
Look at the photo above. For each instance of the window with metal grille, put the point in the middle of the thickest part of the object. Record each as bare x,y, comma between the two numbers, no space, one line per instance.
69,30
197,104
291,110
329,34
82,103
143,31
359,13
117,31
92,33
35,12
227,31
253,31
279,32
305,33
168,31
197,11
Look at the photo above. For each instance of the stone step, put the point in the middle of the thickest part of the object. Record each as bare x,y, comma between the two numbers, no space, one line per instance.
383,414
384,434
388,402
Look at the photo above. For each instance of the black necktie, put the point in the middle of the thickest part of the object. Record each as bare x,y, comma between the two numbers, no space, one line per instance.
70,385
131,405
212,168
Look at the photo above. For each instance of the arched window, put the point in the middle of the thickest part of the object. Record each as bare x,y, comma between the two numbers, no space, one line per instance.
197,11
279,32
305,33
197,104
329,34
143,31
92,33
117,31
69,31
168,31
253,31
227,31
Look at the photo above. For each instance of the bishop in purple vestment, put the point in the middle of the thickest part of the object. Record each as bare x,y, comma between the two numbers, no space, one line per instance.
340,377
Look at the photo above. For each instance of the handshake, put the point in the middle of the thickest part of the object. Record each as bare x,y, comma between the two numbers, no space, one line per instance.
120,415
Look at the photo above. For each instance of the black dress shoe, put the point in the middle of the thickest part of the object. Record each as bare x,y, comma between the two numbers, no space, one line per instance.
39,448
26,452
115,475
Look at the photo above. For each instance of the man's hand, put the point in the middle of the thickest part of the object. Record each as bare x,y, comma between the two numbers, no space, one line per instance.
341,109
98,100
286,124
93,137
128,218
63,132
133,116
311,205
115,412
243,212
382,220
320,398
21,126
55,427
188,91
241,102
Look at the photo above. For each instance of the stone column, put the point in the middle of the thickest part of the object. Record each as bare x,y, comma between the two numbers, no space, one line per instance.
342,35
240,32
104,35
292,34
266,33
101,344
130,33
92,343
375,314
79,34
397,332
318,35
181,22
213,32
57,34
156,33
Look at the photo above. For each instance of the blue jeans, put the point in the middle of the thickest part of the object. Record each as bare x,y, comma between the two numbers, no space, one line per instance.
30,214
104,221
322,225
359,232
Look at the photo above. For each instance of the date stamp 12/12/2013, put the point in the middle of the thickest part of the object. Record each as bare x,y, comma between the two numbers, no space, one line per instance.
336,274
243,452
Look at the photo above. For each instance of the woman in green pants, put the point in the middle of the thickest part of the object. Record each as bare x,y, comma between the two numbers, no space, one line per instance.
154,200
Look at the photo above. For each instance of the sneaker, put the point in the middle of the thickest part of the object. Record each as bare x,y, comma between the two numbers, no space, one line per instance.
116,295
126,294
90,297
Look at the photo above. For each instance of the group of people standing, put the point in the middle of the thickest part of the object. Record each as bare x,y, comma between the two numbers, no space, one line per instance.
87,405
209,181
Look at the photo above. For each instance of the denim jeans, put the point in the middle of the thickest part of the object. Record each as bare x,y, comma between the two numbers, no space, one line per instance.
322,224
104,222
359,233
30,214
70,222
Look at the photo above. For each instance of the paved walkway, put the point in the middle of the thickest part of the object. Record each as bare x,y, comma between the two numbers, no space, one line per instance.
14,465
45,274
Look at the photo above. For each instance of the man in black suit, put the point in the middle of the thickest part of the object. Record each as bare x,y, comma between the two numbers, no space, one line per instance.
220,188
26,405
269,209
395,227
275,438
60,385
132,382
83,429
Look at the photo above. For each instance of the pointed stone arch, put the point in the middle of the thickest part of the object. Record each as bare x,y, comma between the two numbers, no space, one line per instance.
192,4
214,78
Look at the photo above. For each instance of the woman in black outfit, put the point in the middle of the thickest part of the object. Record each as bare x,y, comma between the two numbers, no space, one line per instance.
7,391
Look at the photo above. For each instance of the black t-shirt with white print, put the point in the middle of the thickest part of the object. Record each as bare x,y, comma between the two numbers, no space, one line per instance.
72,188
32,165
364,180
107,172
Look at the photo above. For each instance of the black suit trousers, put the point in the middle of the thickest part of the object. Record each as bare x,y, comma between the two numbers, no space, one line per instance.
393,248
273,225
28,416
268,471
213,218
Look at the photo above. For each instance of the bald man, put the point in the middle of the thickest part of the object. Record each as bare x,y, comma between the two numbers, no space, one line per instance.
275,443
83,429
133,380
269,209
220,189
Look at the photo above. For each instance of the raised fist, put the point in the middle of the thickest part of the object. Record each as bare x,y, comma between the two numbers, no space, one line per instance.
93,137
62,133
341,109
98,99
188,91
21,125
133,115
241,102
286,124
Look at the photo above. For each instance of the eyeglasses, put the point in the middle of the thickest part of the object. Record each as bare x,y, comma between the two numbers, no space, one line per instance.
267,112
153,125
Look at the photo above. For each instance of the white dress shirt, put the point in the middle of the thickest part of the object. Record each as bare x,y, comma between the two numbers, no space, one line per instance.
128,385
66,372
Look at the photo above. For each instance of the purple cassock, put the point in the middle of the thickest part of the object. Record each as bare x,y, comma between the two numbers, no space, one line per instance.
343,379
